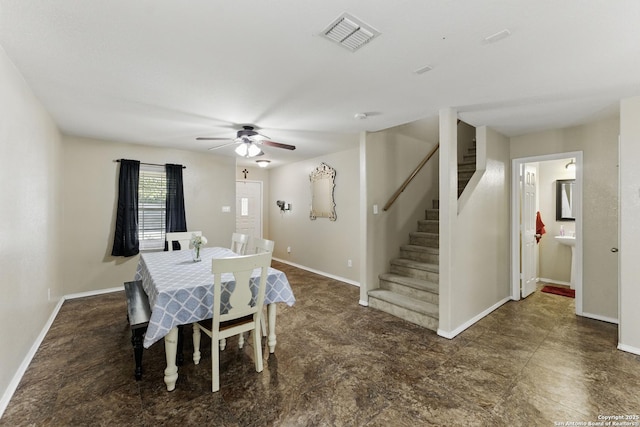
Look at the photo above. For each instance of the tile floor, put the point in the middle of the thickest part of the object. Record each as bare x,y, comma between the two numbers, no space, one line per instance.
529,363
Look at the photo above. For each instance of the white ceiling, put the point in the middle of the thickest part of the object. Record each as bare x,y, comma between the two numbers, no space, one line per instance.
163,72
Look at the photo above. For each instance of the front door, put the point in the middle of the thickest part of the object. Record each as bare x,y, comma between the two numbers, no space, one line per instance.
528,230
249,208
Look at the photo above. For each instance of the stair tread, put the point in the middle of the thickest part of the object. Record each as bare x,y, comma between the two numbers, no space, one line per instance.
434,268
425,249
424,234
424,285
422,307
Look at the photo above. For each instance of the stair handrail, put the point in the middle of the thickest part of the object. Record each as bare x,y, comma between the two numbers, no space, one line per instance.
410,178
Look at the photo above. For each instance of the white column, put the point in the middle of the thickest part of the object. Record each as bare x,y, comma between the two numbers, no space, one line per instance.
448,189
629,250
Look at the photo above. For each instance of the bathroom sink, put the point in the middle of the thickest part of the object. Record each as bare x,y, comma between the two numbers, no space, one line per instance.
566,240
571,242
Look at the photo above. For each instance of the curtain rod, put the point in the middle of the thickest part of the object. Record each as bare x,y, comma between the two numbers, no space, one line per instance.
148,164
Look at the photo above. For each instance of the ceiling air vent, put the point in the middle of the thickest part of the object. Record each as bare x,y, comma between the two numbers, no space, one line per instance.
349,32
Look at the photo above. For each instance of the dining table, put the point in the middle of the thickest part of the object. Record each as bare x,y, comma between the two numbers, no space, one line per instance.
180,292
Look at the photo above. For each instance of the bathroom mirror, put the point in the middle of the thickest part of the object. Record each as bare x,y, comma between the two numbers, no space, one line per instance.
322,183
564,200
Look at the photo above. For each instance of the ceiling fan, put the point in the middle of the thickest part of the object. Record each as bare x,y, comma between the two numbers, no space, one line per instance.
249,140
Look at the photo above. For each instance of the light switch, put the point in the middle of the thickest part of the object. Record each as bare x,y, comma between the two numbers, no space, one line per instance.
226,209
375,209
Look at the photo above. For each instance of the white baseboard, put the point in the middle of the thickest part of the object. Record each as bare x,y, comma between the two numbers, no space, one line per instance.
599,317
17,377
94,293
322,273
629,349
470,322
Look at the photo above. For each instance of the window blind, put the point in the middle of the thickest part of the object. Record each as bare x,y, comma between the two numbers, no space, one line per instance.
152,195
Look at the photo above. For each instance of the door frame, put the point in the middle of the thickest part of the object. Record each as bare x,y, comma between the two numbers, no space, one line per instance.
516,189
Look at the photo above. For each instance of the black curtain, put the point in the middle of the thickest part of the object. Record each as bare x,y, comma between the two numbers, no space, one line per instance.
125,241
176,219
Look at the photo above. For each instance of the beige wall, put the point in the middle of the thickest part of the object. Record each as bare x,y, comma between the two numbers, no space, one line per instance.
598,142
554,262
476,259
321,245
261,175
391,156
90,191
29,212
629,332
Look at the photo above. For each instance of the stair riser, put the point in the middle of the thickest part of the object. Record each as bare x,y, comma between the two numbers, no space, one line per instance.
415,273
432,214
408,315
408,291
428,227
466,167
429,242
420,256
469,158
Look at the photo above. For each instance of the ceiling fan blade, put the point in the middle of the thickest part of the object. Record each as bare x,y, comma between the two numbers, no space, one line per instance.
222,146
204,138
277,144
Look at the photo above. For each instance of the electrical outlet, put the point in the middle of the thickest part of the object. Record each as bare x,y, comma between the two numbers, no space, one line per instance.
288,249
349,263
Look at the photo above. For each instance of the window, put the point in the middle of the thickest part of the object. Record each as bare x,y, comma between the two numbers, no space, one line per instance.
152,196
244,206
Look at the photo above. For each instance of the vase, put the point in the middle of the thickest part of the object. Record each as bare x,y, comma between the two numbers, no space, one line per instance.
196,255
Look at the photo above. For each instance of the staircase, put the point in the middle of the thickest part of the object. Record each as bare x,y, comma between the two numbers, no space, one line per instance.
466,168
410,289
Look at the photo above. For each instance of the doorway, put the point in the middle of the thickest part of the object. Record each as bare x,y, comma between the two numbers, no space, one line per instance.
524,253
249,208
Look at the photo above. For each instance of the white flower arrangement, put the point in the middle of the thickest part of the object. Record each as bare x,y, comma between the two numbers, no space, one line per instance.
196,243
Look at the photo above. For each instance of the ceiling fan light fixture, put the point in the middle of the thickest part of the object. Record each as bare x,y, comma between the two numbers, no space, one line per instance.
263,163
248,150
253,150
242,149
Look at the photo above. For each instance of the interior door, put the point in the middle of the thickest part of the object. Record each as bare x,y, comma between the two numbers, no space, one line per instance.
249,208
528,230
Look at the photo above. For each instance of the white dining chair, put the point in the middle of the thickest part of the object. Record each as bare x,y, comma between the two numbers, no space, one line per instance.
244,314
182,237
261,245
258,245
239,243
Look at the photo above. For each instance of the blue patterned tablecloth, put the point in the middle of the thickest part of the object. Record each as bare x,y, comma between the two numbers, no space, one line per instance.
181,291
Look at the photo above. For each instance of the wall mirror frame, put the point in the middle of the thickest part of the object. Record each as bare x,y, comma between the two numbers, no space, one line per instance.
564,200
322,184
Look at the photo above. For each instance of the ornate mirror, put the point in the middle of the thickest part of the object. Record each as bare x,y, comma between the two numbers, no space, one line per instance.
322,183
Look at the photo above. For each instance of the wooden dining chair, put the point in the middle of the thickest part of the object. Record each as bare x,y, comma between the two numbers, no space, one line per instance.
182,237
244,314
239,243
